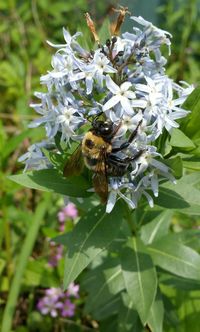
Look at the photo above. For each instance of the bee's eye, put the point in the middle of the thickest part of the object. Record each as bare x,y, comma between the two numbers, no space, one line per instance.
106,128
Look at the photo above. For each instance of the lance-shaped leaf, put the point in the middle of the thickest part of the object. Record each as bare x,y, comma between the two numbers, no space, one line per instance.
189,238
190,125
178,196
156,315
157,228
51,180
174,257
139,276
102,283
128,319
179,139
89,238
108,309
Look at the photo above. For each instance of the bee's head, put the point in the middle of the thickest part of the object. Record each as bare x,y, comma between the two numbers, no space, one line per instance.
102,128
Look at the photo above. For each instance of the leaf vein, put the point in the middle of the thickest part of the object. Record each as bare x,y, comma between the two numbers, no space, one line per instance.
174,257
83,244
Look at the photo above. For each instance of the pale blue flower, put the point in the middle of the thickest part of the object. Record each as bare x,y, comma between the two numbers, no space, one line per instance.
126,80
121,94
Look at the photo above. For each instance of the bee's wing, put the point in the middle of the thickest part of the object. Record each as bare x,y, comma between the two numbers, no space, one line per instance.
100,184
100,180
75,164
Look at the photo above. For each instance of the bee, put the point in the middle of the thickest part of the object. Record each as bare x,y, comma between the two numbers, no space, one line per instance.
98,154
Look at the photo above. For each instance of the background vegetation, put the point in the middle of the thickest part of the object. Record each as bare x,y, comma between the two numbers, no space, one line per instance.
27,217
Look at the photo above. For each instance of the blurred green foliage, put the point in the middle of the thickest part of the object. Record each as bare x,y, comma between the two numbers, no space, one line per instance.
181,19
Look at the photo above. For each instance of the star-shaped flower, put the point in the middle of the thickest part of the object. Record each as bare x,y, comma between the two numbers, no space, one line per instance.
121,94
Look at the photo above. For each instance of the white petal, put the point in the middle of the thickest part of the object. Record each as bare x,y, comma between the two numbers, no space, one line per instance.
67,36
111,102
126,105
139,103
125,86
53,313
142,87
130,94
157,164
111,201
154,185
170,123
44,310
149,198
128,200
89,84
111,85
54,45
109,69
78,76
141,20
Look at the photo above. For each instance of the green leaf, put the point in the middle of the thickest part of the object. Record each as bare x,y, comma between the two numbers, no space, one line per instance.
190,125
128,319
102,283
176,258
56,159
13,143
191,179
63,239
182,195
90,237
2,265
190,238
139,276
178,196
179,282
156,228
176,166
37,274
109,324
180,140
192,163
50,180
108,309
170,199
156,316
188,309
104,32
194,210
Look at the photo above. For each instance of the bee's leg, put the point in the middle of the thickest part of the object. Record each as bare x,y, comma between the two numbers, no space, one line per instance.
114,159
125,145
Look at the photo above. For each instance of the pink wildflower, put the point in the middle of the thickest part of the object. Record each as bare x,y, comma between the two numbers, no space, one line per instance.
69,211
56,252
68,309
73,290
48,305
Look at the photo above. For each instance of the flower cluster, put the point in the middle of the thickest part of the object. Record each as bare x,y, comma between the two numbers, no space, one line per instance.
55,302
124,80
68,212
